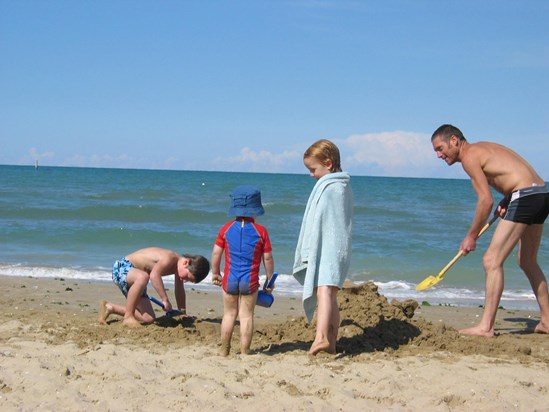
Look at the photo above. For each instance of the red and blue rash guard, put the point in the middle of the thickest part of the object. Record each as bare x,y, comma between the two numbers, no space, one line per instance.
244,242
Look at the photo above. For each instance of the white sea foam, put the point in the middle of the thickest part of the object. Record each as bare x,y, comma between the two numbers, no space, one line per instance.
286,285
401,290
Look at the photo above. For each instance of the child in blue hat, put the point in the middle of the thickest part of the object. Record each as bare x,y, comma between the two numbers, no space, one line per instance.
246,245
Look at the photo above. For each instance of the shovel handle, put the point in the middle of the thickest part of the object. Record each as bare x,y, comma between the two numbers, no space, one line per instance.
169,313
272,280
460,253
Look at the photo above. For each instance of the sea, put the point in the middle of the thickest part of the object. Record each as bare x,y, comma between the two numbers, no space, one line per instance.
73,223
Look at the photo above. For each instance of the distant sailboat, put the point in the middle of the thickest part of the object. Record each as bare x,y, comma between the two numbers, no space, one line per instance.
36,164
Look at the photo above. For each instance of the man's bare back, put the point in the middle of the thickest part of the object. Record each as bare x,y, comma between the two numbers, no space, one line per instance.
504,169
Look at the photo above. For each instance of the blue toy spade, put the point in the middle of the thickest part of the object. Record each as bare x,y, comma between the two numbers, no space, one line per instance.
170,313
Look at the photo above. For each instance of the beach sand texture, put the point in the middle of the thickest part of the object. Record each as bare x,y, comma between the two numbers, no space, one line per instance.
394,356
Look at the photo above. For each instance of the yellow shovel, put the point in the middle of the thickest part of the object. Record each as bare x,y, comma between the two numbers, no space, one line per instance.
431,280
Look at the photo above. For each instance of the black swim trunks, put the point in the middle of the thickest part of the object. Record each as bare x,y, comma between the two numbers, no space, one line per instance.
529,205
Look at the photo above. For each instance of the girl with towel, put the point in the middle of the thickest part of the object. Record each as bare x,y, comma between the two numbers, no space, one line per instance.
323,252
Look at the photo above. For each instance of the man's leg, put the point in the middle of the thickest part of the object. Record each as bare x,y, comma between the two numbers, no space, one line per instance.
528,253
506,236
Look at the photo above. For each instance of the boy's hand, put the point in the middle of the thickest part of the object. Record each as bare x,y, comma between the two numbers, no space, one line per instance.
217,280
266,289
167,305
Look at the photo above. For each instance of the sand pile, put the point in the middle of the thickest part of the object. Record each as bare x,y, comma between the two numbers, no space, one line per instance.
369,324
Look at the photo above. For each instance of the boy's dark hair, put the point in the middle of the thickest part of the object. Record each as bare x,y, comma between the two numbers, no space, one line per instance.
198,266
446,131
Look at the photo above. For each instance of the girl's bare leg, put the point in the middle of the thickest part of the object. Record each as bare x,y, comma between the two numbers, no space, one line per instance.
327,321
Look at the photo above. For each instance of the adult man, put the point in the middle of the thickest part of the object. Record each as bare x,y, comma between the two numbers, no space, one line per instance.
523,209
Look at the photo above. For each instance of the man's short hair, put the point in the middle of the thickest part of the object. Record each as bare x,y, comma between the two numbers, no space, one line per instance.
446,131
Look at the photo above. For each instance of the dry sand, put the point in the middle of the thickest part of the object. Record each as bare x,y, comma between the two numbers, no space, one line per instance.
392,356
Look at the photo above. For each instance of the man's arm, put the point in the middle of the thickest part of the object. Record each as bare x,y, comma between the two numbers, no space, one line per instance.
485,201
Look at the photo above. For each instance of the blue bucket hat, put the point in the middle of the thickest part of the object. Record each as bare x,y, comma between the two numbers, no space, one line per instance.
246,202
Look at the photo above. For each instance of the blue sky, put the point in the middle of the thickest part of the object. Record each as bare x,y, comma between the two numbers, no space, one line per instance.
249,85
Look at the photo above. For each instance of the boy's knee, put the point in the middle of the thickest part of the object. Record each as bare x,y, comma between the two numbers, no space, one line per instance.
141,278
148,318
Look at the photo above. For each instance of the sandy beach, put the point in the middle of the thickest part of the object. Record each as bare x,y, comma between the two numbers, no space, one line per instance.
397,356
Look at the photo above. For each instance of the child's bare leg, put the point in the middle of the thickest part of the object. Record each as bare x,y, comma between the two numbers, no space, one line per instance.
334,327
145,312
137,282
103,312
230,312
107,308
246,316
326,321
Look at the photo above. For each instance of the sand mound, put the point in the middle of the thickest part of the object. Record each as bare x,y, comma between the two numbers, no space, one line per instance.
369,324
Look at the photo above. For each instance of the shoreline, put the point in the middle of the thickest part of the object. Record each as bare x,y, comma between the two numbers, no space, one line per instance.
209,302
55,355
513,303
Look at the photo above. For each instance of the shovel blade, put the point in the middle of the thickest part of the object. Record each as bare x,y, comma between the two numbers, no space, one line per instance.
428,282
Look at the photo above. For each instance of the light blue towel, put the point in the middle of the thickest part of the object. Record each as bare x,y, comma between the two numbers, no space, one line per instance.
323,253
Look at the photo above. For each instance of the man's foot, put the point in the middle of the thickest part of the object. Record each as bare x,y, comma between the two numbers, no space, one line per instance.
477,331
541,328
321,346
104,311
131,322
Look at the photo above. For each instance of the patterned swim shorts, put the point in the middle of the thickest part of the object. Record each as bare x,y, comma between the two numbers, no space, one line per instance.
120,271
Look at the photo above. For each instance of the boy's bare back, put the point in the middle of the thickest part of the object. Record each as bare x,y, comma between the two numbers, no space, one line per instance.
145,259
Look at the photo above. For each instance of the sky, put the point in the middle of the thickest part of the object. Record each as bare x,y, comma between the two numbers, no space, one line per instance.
248,85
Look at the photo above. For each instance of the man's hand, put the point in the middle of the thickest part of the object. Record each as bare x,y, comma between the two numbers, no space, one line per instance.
469,244
501,209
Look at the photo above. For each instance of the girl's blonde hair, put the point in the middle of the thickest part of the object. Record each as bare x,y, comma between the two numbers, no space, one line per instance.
324,150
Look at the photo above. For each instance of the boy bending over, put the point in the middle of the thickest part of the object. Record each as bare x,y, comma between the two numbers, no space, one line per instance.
132,274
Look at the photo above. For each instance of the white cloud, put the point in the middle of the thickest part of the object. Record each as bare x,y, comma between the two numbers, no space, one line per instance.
398,153
34,154
394,154
249,160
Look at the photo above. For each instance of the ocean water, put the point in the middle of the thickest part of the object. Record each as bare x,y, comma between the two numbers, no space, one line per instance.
72,223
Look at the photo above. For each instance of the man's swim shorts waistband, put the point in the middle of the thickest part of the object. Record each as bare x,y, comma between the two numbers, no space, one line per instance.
532,190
